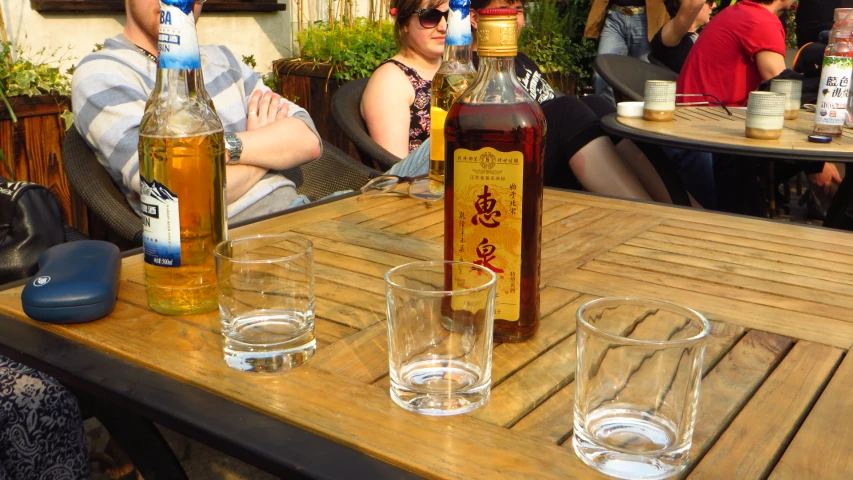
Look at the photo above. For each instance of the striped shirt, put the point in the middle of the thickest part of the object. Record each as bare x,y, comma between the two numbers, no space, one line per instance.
109,91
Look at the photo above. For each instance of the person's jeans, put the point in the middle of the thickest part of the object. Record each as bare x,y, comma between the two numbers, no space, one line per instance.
621,35
415,164
696,170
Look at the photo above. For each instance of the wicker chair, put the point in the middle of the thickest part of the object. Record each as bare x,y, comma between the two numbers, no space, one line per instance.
332,172
92,182
628,76
347,114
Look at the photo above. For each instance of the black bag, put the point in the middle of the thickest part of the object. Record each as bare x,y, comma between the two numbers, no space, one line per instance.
30,223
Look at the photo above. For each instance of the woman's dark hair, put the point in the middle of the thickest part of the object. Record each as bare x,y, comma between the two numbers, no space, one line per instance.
405,10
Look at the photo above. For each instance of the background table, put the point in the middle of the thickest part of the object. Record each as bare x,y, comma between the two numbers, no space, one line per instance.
710,129
774,400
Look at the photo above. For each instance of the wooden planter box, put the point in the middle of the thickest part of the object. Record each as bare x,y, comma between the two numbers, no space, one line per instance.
312,88
33,148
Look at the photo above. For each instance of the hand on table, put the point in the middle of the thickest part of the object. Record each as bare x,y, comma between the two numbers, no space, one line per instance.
265,108
825,178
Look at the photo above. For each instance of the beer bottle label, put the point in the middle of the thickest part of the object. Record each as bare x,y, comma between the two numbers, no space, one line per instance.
177,43
831,108
487,197
458,23
161,224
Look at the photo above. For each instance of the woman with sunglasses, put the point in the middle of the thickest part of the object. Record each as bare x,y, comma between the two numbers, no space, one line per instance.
395,105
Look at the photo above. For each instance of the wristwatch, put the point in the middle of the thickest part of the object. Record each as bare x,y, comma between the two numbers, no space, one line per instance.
234,146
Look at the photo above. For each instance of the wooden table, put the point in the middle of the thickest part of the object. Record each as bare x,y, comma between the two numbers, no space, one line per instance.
774,401
710,129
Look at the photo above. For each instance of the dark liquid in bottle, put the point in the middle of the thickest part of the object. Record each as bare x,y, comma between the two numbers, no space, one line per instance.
506,128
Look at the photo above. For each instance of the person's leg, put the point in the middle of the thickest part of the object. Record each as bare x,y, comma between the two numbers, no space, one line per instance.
638,37
600,169
41,430
415,164
738,189
696,171
613,40
576,150
644,170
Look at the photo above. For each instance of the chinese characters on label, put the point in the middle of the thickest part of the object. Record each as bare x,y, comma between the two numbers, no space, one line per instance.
834,90
487,212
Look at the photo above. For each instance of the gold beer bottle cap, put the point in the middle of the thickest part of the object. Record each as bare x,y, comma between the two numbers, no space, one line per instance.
497,32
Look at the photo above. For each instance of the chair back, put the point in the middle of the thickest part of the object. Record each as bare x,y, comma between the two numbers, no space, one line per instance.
93,184
334,171
346,111
654,61
628,76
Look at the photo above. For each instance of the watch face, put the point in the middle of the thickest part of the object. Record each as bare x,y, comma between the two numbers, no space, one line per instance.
234,146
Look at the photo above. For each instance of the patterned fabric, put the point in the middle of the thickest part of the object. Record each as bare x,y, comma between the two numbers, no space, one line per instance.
41,432
109,90
419,110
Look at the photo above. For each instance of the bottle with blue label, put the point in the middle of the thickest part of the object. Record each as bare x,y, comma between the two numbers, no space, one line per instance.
182,173
454,75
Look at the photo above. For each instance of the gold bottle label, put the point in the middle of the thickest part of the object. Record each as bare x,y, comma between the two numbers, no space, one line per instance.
487,198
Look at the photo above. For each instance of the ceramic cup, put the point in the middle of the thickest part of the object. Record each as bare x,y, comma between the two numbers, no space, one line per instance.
765,115
793,90
659,101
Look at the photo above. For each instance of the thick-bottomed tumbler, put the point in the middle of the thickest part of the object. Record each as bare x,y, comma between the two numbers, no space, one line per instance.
440,321
266,301
637,385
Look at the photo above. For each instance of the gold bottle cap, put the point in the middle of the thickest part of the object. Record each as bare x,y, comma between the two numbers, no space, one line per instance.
497,32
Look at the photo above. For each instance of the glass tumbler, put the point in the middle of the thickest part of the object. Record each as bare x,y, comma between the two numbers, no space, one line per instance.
440,324
266,301
637,385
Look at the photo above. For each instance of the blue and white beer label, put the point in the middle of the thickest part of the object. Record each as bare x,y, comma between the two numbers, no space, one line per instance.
161,224
178,42
458,23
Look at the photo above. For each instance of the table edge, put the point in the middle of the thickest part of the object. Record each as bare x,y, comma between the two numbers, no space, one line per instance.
611,125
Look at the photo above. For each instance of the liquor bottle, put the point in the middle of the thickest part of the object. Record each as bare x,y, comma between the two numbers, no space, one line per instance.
834,89
182,173
454,75
494,137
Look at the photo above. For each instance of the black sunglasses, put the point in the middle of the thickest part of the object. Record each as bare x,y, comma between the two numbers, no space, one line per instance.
430,17
716,101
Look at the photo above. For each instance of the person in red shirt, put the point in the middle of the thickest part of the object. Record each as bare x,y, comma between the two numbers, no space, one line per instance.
741,47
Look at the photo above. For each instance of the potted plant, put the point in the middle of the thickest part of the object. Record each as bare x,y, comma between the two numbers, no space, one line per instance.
333,51
553,39
34,114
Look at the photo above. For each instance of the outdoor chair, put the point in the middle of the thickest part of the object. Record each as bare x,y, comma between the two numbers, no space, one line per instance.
628,76
95,186
654,61
332,172
346,111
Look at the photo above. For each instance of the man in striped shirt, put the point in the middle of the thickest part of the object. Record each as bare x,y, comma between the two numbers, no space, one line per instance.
110,88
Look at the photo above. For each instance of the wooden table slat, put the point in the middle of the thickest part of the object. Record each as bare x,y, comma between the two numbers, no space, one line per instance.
823,447
751,445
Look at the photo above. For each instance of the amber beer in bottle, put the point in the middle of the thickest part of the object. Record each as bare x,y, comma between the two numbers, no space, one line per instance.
182,173
454,75
494,139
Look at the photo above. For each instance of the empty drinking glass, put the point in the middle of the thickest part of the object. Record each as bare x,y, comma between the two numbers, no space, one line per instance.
440,321
266,301
637,384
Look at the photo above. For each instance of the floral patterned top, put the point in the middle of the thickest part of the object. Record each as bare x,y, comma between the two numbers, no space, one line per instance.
419,110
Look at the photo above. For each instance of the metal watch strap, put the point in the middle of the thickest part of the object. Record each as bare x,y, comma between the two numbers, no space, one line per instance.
234,146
